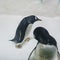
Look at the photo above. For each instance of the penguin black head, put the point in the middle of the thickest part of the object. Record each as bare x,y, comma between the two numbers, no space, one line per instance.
42,36
31,19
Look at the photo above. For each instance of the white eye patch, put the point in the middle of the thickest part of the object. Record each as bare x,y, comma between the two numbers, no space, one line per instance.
35,17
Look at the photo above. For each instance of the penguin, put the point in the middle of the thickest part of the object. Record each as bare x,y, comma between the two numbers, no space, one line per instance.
21,29
46,48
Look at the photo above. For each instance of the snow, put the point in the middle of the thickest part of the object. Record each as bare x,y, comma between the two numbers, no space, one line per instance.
8,25
27,7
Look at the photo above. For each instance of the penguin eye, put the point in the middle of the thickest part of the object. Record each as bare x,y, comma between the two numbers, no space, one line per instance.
36,18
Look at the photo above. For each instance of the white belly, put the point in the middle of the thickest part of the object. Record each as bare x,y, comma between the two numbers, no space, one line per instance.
44,52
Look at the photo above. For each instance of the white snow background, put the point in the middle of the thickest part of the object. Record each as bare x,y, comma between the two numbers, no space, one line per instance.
26,7
8,25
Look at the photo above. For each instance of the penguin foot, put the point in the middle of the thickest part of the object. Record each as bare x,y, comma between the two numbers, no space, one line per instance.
18,45
27,39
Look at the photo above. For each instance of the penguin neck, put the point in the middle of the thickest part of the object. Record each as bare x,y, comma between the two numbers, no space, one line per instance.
45,52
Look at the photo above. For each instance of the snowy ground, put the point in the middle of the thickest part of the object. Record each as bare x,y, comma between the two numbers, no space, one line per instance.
8,25
27,7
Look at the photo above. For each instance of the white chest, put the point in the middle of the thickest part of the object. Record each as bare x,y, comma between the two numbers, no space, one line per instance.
43,52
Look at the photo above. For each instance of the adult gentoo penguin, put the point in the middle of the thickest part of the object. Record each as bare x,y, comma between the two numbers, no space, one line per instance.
46,48
21,29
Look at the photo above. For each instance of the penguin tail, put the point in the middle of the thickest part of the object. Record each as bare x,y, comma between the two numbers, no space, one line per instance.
13,40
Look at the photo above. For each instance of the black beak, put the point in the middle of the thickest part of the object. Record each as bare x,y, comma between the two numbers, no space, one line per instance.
37,18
